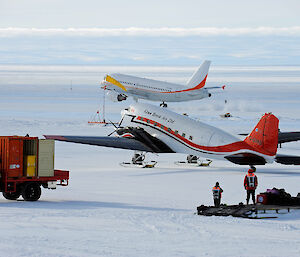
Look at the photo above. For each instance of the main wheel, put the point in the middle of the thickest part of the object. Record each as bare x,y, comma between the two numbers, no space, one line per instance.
31,192
12,195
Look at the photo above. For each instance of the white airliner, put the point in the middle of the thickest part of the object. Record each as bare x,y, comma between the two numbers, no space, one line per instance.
121,86
149,128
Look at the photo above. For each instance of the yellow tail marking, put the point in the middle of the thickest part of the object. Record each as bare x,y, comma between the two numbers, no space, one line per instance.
115,82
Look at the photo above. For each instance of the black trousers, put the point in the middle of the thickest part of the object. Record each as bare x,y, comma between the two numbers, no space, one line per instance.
217,202
252,193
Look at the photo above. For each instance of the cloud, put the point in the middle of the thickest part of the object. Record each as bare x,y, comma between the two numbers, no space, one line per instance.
151,32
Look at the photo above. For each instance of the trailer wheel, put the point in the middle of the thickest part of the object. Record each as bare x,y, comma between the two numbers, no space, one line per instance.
12,195
31,192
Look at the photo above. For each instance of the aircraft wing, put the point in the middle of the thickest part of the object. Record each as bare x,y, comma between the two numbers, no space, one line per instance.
287,159
141,142
115,142
284,137
223,87
246,159
253,159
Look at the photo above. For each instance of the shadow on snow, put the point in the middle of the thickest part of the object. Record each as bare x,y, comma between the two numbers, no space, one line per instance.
240,169
78,205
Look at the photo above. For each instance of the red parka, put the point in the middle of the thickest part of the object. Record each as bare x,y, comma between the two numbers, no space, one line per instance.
250,181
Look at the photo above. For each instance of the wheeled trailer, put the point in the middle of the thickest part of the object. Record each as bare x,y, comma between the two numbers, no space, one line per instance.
26,165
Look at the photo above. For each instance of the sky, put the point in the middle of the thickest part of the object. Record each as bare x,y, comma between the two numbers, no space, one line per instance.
149,32
155,13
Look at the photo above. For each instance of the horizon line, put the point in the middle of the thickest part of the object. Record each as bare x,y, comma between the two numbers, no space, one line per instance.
152,32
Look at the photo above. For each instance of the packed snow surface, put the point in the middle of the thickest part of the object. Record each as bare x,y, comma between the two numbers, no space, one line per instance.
109,210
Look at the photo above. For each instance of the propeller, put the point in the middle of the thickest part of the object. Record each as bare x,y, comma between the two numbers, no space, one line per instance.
115,130
116,127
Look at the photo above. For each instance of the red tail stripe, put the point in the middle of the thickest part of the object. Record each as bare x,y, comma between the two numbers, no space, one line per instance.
199,86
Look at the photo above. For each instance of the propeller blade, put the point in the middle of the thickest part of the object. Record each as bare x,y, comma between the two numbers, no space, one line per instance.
113,124
116,128
119,125
111,133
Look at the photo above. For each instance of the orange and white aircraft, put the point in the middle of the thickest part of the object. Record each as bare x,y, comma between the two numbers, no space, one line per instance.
121,86
149,128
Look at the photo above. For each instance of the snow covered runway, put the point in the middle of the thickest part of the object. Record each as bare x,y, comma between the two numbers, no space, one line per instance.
108,210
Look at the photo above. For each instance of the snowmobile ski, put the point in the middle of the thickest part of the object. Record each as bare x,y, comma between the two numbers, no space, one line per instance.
195,164
148,165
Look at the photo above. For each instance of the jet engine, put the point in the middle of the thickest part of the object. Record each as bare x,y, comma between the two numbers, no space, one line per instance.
116,97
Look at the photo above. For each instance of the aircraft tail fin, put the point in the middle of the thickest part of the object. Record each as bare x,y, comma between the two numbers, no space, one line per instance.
198,79
264,136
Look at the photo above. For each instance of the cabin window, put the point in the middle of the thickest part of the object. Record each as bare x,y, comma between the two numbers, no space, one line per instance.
155,124
183,134
169,129
162,126
148,121
191,137
176,132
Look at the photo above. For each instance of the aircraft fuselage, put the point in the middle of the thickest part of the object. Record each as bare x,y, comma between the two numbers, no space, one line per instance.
154,90
185,135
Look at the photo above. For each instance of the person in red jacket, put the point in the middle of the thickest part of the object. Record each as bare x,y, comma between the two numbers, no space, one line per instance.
217,194
250,184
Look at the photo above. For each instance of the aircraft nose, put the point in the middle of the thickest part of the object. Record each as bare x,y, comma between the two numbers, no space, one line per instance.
104,83
104,80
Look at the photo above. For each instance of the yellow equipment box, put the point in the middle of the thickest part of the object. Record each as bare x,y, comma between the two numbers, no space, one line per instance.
30,168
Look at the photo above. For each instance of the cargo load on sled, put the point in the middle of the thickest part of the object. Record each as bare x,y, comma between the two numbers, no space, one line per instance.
277,196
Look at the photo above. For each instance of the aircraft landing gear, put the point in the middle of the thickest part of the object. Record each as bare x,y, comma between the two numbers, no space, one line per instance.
194,161
121,97
163,104
138,161
138,158
192,158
